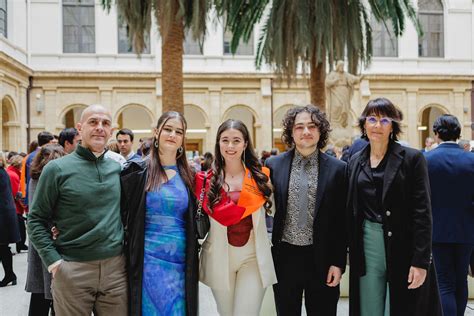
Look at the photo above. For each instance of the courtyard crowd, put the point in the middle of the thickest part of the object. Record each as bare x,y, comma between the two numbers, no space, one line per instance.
116,232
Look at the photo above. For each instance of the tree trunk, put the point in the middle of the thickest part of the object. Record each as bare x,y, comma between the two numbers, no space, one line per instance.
316,82
172,68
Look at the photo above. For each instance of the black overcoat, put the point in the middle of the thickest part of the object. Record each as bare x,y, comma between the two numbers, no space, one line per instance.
9,231
133,179
407,231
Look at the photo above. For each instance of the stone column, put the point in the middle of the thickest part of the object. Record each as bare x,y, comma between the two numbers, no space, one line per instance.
50,116
22,117
264,131
214,116
413,135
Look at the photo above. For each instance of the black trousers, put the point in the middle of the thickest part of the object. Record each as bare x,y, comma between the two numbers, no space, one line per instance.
296,273
40,306
21,224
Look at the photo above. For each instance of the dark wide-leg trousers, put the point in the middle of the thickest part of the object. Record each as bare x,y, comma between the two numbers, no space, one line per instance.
295,270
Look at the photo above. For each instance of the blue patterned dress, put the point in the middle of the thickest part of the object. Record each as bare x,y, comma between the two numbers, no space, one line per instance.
165,249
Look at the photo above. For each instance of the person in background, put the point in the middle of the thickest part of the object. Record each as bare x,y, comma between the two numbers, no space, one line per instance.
451,174
265,155
208,160
113,152
10,155
125,143
236,260
389,213
44,138
158,212
309,239
465,144
32,146
146,146
429,142
69,138
9,232
55,139
14,172
38,279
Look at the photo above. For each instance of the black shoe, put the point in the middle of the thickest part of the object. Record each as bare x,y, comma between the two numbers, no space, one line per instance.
24,247
7,280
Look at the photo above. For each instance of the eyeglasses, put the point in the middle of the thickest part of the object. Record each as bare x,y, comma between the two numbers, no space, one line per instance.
384,121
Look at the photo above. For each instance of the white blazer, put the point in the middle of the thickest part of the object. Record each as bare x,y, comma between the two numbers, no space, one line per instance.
214,259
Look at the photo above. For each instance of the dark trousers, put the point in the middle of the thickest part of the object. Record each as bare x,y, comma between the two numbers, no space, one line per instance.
296,273
40,306
7,261
21,225
452,264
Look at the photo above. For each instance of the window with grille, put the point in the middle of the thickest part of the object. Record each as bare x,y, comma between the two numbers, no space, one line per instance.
3,17
431,18
191,46
124,44
242,49
384,41
78,26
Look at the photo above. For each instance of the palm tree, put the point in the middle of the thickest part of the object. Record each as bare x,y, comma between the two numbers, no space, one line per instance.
303,34
174,18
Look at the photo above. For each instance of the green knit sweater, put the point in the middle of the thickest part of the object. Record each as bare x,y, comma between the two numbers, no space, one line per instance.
80,195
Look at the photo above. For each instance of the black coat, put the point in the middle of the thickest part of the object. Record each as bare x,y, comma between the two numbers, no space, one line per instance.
329,234
133,179
407,231
9,231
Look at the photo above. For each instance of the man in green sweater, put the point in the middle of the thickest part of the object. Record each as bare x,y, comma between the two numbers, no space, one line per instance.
80,195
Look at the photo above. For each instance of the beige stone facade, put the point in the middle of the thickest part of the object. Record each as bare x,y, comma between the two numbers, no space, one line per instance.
14,82
57,99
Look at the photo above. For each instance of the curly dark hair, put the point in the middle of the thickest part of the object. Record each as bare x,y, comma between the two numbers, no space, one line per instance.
251,162
317,116
382,107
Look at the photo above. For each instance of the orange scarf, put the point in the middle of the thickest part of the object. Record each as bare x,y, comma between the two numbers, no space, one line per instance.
250,197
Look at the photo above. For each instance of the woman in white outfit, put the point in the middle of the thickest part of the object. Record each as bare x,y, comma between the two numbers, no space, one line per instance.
236,260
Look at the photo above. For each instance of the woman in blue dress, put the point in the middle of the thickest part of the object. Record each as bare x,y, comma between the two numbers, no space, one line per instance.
160,235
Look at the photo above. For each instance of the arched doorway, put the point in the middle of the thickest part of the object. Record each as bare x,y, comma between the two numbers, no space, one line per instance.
137,118
246,115
8,120
278,126
197,130
72,115
428,116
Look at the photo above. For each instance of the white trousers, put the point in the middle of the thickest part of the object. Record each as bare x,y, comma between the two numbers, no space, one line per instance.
246,291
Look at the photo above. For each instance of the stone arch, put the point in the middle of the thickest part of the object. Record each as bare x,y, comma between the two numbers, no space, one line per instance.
198,128
9,123
278,115
136,117
426,116
71,114
247,115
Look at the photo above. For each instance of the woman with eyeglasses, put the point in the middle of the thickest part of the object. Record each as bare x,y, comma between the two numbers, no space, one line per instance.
236,260
391,269
158,210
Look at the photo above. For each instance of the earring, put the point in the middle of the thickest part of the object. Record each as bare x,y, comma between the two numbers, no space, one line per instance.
243,158
180,152
156,144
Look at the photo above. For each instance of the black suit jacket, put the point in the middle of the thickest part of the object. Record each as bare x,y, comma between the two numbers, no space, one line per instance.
329,234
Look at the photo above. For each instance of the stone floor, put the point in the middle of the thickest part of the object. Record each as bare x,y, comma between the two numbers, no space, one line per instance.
14,300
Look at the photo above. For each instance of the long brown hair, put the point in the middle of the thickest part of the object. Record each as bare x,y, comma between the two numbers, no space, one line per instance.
156,172
251,162
45,155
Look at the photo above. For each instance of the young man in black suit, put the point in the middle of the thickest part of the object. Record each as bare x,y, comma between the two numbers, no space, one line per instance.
309,235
